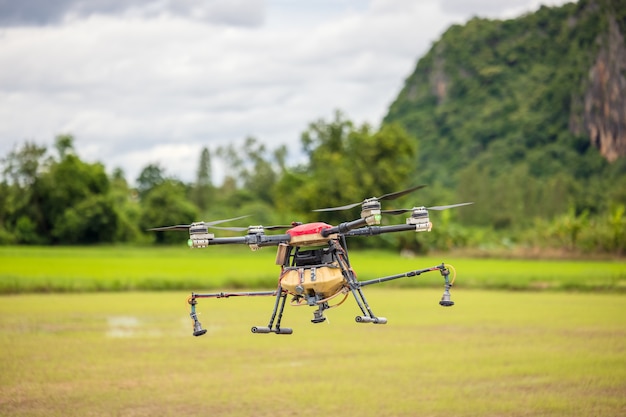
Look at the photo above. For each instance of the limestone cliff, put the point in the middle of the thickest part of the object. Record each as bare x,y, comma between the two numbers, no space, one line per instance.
605,98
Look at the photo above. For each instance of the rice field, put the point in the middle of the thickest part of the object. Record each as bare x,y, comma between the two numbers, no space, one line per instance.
105,331
494,353
118,268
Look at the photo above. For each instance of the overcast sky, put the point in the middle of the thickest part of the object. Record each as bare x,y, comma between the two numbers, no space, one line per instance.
153,81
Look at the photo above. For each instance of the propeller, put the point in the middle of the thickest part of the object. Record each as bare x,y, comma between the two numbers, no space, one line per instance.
390,196
401,211
187,226
253,229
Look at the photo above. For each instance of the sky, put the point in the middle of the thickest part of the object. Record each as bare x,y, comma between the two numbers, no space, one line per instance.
140,82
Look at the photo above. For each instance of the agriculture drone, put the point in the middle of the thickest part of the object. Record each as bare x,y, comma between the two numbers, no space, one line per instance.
313,260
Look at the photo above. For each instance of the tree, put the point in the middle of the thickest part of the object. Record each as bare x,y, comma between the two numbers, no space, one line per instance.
20,211
22,166
347,164
92,220
202,189
126,203
150,177
252,170
64,145
166,204
259,175
69,192
55,200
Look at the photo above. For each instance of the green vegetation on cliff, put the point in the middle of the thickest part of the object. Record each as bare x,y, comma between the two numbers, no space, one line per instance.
502,115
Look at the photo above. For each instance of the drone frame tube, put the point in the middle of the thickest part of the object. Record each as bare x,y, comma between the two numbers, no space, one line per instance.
344,227
441,267
378,230
251,239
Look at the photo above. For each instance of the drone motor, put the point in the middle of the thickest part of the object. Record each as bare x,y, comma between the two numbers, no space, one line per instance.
419,218
370,212
199,236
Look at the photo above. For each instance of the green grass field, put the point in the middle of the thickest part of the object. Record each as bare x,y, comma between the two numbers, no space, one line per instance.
494,353
81,336
71,269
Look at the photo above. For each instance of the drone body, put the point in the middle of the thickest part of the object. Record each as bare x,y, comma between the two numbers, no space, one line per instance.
315,269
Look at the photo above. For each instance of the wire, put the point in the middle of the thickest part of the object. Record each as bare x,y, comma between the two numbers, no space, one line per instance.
343,291
301,302
453,273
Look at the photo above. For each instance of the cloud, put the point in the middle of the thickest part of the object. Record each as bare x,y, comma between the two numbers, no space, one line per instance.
496,9
486,7
46,12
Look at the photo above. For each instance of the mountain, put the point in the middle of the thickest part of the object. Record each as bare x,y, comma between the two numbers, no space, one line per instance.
527,115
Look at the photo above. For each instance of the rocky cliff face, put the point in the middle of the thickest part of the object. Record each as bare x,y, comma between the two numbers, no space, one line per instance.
604,115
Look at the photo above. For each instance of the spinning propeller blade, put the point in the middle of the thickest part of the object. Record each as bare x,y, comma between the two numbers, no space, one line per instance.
245,229
164,228
390,196
448,206
401,211
187,226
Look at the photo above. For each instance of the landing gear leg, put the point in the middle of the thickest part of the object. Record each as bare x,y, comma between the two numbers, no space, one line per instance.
368,315
355,287
279,306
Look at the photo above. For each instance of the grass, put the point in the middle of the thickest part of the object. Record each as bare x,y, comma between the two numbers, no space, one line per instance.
494,353
118,268
79,337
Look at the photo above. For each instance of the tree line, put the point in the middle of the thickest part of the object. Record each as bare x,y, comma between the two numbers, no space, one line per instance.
54,197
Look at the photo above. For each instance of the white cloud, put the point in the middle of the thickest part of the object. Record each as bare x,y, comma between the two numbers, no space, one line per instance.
496,9
135,87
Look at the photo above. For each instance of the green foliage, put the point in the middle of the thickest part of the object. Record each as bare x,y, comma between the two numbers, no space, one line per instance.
68,183
127,205
56,200
492,106
22,166
92,220
203,187
164,205
150,177
26,231
347,164
582,233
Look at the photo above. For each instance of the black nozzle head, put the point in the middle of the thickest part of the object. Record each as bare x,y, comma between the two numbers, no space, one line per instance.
445,298
197,328
199,332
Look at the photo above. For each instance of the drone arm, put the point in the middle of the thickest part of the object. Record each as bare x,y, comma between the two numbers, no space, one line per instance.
414,273
230,294
272,240
345,228
228,240
443,269
252,239
377,230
